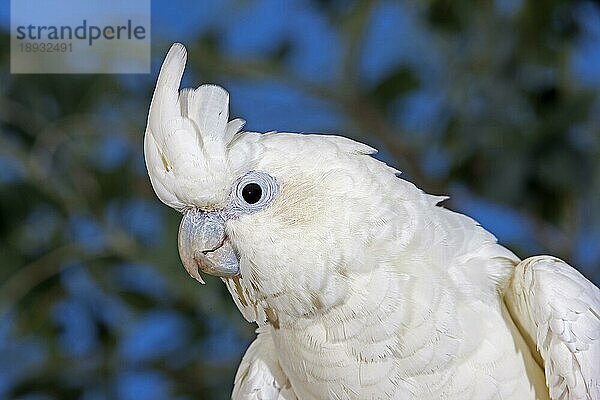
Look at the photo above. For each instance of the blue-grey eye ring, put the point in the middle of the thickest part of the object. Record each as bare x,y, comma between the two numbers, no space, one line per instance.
253,192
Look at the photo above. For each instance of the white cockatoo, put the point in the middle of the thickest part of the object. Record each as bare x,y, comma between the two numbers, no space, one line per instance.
361,285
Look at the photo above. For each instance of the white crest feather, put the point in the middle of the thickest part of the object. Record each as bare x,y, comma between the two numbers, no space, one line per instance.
186,136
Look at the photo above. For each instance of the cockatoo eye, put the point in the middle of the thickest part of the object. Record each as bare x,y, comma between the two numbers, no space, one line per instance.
253,192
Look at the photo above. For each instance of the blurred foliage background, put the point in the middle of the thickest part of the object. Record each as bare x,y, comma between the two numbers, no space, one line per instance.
495,103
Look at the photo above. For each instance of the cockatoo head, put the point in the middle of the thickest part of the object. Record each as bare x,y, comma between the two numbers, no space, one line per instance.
282,218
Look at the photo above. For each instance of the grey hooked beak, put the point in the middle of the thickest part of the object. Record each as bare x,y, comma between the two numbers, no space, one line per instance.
204,246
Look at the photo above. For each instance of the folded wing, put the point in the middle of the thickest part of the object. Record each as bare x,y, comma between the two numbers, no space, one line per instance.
259,376
558,309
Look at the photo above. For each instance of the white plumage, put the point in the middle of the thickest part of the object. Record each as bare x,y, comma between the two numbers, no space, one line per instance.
362,286
558,310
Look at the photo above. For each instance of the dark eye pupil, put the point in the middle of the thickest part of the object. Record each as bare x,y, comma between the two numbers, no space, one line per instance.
252,193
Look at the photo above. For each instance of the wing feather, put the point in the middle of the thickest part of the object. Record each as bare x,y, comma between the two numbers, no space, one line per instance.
259,376
559,310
